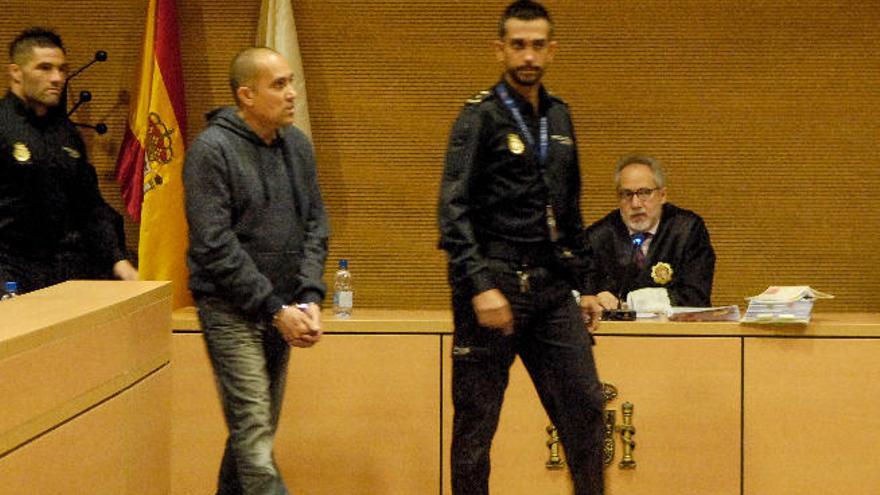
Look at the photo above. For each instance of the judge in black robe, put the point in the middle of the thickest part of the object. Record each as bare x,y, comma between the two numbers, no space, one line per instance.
677,254
681,241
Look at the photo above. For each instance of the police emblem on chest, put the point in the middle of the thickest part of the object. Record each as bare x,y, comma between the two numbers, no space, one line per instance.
21,153
515,144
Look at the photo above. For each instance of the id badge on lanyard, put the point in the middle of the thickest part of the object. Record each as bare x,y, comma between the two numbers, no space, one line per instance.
542,151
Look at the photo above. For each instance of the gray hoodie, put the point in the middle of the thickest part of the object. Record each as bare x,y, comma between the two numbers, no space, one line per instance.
257,226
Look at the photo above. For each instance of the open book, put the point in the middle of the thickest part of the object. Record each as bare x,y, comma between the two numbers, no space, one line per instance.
789,293
783,304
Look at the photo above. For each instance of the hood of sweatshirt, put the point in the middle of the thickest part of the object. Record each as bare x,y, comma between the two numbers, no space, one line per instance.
227,117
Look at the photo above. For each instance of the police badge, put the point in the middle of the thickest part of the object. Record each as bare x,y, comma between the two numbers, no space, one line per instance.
515,144
661,273
21,152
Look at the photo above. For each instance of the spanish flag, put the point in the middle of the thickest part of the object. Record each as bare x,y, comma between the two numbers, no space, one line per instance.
151,158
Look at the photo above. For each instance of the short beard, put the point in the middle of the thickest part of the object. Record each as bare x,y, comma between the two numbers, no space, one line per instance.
43,98
514,76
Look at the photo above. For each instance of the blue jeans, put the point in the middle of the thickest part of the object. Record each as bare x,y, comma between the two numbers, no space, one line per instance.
555,347
249,359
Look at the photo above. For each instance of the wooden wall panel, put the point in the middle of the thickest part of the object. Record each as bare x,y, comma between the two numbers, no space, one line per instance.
762,112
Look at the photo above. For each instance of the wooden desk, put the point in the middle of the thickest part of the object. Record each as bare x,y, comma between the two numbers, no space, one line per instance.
85,383
719,408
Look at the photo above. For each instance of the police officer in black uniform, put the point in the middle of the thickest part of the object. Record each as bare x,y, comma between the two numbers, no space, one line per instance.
54,224
510,222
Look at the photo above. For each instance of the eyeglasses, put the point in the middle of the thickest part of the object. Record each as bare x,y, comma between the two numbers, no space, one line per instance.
644,194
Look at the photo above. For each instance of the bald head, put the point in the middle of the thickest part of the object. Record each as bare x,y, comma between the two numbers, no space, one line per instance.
246,67
262,84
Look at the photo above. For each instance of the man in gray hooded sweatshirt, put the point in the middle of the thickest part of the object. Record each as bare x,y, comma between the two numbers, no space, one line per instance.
258,241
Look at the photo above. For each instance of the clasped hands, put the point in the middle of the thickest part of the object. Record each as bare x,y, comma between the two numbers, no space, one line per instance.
300,327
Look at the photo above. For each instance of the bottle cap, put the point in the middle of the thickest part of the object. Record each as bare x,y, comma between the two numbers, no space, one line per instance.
11,287
343,264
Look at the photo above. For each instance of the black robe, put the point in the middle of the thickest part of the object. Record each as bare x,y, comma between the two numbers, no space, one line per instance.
681,241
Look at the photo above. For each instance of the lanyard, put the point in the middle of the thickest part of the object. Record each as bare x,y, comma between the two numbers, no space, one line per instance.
523,129
542,149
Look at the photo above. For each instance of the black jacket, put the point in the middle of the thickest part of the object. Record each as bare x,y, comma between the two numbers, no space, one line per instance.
257,226
681,241
495,191
54,224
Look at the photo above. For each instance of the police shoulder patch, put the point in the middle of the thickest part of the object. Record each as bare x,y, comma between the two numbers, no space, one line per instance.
478,97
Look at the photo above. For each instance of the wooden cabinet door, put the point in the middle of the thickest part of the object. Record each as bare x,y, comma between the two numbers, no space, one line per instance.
686,396
812,416
686,410
361,416
197,428
119,446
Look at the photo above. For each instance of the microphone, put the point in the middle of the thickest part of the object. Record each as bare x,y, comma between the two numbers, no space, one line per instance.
628,272
100,127
84,96
100,56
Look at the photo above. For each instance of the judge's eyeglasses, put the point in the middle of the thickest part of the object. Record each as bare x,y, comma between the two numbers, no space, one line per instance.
643,194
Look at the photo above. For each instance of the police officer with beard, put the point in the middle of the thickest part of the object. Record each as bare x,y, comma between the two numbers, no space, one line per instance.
54,224
510,223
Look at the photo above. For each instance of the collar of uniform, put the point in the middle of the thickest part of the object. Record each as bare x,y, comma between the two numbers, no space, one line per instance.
524,105
54,114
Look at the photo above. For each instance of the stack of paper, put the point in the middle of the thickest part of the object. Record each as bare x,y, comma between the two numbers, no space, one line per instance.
783,304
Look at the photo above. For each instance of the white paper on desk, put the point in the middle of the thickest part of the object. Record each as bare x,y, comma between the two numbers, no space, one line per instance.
772,312
649,300
646,316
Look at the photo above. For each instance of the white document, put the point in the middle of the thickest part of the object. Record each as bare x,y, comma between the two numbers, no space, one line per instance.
798,311
649,300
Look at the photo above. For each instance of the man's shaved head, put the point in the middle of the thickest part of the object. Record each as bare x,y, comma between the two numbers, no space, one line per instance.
245,67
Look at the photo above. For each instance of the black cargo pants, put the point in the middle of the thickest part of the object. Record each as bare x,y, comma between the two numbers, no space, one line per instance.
551,339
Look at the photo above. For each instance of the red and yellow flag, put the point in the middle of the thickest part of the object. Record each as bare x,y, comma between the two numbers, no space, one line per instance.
151,158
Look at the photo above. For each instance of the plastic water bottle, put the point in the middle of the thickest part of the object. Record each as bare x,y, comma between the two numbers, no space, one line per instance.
10,290
343,291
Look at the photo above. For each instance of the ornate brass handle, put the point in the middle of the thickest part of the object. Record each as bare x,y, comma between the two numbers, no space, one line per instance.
609,393
608,447
627,430
555,462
